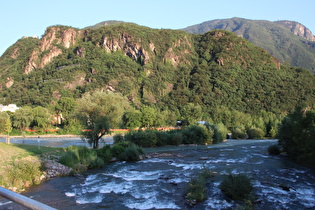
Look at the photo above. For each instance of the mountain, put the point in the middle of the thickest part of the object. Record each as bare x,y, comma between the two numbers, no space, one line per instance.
288,41
168,69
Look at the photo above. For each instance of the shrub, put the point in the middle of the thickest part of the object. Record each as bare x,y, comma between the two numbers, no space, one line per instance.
274,150
237,133
236,186
196,190
219,132
196,135
21,174
176,138
80,158
105,153
131,153
255,133
163,138
118,138
127,151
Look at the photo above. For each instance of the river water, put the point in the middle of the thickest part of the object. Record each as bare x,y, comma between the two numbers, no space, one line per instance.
160,182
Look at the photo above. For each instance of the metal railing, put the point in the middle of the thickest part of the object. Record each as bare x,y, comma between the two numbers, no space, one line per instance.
23,200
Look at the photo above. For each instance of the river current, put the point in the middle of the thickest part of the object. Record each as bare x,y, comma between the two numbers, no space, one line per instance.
160,182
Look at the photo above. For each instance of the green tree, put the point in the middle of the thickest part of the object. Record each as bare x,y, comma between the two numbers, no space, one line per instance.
98,112
5,125
133,119
296,136
22,118
191,113
42,117
65,106
148,118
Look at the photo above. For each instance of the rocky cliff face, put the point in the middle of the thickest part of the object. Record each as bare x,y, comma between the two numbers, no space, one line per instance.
298,29
49,47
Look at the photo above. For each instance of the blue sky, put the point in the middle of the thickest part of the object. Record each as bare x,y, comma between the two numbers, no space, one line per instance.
20,18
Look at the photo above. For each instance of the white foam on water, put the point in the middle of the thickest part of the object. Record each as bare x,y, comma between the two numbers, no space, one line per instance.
154,160
150,203
118,188
90,199
188,166
128,175
227,160
213,203
70,194
306,197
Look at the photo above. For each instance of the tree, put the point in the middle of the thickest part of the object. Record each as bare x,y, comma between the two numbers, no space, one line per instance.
23,117
42,117
133,119
98,112
5,125
296,136
148,116
191,113
64,107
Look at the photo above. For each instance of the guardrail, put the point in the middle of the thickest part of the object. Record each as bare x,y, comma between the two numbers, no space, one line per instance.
23,200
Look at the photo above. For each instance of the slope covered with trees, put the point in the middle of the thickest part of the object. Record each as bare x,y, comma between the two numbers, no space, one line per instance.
288,41
216,76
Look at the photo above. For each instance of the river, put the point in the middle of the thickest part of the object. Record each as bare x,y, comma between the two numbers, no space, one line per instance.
160,182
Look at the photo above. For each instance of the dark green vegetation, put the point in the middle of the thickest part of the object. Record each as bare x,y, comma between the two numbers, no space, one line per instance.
159,76
197,188
21,165
236,186
279,38
81,158
296,136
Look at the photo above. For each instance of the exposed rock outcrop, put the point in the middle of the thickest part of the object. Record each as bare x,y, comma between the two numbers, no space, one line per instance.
128,45
48,47
298,29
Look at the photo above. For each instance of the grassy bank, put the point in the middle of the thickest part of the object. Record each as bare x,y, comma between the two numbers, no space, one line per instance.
21,165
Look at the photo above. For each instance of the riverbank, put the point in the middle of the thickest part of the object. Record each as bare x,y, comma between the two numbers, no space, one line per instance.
21,165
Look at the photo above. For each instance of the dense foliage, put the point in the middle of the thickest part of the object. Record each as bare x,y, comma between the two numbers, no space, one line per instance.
296,136
274,37
164,75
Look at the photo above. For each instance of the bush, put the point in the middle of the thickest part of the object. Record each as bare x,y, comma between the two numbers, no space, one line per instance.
219,132
81,158
147,138
176,138
255,133
236,186
127,151
196,190
196,135
274,150
105,153
21,174
118,138
237,133
131,153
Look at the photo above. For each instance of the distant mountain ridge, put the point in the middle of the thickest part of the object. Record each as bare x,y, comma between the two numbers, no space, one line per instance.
288,41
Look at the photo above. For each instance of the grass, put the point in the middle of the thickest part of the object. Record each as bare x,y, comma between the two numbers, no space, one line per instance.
20,164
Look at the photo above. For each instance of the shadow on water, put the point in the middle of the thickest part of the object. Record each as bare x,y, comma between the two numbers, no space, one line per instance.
159,182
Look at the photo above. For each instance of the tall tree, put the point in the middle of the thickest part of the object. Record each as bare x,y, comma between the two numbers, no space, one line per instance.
98,112
23,117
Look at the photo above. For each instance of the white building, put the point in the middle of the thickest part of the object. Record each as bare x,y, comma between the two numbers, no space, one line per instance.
10,107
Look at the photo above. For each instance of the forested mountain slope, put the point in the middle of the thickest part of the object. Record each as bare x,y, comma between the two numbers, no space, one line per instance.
167,69
288,41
